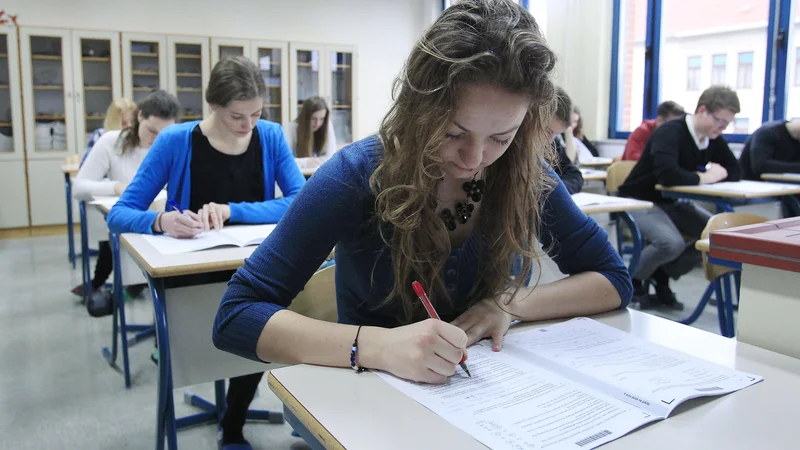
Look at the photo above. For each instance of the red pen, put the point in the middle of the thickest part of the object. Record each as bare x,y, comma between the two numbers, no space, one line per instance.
423,297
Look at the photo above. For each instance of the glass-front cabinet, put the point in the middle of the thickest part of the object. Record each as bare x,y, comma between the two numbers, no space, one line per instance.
222,47
144,64
272,59
188,73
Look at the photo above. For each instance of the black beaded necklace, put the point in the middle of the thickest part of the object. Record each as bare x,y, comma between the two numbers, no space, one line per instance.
474,190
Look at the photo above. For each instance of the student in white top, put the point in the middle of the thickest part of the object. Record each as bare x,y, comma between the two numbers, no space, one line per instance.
114,160
311,136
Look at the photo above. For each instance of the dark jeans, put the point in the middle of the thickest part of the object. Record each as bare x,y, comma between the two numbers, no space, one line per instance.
104,265
663,228
240,393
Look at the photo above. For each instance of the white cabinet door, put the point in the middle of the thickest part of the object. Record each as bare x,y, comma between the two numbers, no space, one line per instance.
222,47
189,68
272,58
97,80
341,82
307,66
12,142
144,64
48,95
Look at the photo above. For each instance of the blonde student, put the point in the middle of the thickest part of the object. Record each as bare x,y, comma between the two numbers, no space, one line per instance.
311,136
119,115
454,191
113,162
220,170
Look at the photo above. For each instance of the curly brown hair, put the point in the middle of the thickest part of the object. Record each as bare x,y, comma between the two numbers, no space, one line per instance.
488,42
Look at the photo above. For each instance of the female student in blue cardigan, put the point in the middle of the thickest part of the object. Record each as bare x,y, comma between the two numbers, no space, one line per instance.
221,170
453,190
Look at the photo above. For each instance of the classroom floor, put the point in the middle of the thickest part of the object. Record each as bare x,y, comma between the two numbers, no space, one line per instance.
57,391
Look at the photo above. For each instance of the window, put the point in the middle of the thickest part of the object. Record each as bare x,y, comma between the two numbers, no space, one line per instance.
744,79
741,125
703,43
718,64
693,73
797,67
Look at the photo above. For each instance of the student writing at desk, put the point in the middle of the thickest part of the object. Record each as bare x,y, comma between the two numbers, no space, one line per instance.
566,170
112,164
684,152
221,170
466,132
311,136
773,148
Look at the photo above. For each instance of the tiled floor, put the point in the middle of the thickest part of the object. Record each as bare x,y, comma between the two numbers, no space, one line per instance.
57,392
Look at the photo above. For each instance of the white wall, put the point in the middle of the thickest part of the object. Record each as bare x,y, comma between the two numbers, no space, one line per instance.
383,30
579,31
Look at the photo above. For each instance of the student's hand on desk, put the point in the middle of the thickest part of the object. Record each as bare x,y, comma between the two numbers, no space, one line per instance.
213,215
485,319
119,188
714,173
427,351
179,225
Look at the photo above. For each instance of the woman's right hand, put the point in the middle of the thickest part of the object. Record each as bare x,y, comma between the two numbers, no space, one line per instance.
181,225
427,351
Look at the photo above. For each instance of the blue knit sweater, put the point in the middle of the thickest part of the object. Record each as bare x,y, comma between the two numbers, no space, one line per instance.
337,208
169,163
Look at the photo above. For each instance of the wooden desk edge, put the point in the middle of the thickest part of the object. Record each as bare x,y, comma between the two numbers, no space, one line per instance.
303,415
139,259
619,207
723,194
216,266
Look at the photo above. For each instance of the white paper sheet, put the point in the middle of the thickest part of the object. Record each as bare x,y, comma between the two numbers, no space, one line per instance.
586,199
238,235
109,202
574,385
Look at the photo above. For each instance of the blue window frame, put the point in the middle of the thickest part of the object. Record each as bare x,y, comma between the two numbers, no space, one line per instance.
644,30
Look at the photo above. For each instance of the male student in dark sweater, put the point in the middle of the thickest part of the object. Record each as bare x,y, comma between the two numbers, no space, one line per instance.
564,168
773,148
683,152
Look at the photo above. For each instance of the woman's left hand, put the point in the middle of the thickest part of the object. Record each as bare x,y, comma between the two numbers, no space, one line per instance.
485,319
213,215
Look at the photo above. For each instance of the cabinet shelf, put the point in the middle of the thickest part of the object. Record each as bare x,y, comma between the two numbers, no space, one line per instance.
48,117
46,57
188,74
342,106
274,86
144,89
5,124
97,88
95,118
3,55
4,86
192,117
144,73
342,66
185,89
273,105
96,58
304,64
48,87
144,54
188,56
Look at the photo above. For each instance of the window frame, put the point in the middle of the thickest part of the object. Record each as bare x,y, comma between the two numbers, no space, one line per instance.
775,87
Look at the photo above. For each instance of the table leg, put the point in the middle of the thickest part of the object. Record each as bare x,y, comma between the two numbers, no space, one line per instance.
301,430
636,235
165,416
86,277
70,237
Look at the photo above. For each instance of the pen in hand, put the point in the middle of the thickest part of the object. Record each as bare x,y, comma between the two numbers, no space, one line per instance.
177,207
423,297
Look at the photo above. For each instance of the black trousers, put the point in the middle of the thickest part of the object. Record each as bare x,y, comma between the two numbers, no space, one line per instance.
104,265
240,393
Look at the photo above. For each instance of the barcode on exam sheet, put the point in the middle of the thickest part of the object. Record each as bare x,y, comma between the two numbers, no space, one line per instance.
709,389
592,438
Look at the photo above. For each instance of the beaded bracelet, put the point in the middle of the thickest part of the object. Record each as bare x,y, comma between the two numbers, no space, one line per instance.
353,351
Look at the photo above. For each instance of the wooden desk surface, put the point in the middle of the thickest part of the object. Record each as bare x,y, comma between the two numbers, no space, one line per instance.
737,189
158,265
703,245
788,177
71,169
308,171
594,175
615,204
597,162
361,411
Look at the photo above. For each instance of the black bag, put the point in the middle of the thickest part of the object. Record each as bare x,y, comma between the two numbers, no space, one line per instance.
100,303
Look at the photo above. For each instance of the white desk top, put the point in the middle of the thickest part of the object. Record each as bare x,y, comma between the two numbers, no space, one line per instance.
597,161
160,266
596,203
361,411
71,169
737,189
308,171
790,177
594,175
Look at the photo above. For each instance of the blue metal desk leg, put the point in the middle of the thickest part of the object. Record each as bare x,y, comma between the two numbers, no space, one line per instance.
301,430
86,277
731,328
637,240
70,237
121,329
165,412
